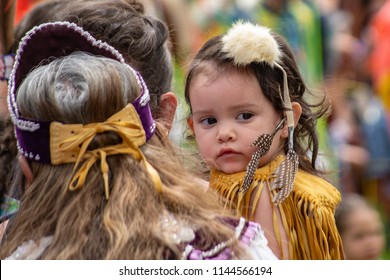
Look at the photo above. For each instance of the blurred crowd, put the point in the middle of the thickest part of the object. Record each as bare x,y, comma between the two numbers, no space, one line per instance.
342,47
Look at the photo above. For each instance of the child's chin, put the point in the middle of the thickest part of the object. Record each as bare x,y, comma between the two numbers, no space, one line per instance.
232,169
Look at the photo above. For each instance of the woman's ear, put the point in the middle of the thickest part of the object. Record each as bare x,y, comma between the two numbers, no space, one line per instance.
168,105
297,111
26,170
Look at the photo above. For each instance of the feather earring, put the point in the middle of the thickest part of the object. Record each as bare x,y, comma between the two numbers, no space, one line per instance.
263,142
285,176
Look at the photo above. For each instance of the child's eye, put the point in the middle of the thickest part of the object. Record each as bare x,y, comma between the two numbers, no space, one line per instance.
244,116
208,121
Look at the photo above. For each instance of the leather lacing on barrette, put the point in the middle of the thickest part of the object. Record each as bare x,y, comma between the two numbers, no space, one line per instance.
69,143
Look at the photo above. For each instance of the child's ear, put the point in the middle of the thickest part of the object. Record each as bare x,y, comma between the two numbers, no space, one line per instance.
190,123
297,111
26,170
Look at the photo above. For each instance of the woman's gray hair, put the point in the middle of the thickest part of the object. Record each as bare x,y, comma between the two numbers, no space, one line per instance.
65,88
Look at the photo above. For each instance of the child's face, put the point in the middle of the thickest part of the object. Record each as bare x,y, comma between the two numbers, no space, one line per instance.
363,237
229,113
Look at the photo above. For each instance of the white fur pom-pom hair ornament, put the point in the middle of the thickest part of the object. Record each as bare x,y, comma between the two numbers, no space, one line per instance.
246,43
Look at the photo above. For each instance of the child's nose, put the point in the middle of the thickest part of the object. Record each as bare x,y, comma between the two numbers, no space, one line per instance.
226,133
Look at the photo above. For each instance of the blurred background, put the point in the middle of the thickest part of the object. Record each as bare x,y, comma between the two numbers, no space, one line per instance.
342,47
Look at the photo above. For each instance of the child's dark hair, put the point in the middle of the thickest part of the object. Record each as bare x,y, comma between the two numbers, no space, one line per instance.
306,141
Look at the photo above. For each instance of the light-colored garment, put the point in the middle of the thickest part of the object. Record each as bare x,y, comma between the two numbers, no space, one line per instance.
31,250
257,243
251,238
250,234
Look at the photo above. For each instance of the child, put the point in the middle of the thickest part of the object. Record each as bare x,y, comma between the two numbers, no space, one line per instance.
256,130
361,228
103,181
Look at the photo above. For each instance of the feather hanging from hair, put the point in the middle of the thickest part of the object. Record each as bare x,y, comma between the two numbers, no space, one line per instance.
285,177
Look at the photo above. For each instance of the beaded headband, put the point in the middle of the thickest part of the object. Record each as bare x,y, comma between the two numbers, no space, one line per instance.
59,39
246,43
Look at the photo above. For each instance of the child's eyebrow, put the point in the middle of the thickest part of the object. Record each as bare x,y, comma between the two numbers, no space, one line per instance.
244,106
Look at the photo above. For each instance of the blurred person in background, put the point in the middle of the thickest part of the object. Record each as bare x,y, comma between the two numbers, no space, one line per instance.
359,126
361,228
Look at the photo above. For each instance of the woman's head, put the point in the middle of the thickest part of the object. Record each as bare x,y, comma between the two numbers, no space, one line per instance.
70,90
263,65
98,90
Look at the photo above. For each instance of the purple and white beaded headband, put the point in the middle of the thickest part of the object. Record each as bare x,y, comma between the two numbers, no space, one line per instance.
57,39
